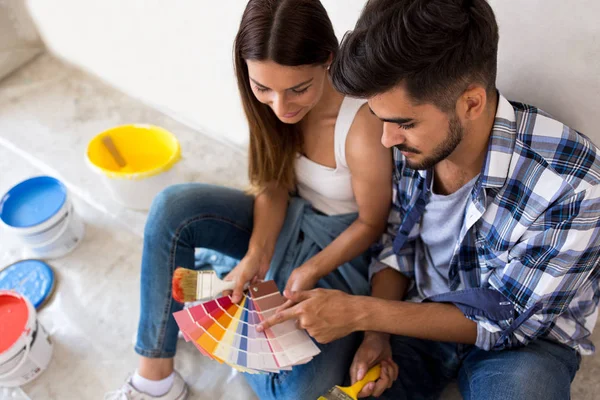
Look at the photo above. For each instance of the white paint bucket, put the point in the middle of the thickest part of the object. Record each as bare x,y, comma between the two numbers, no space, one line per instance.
25,347
143,161
138,194
40,214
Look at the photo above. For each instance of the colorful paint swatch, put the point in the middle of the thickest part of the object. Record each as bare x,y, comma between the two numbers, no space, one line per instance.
226,332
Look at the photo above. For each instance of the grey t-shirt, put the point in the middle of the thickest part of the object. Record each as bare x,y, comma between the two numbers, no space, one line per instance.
441,224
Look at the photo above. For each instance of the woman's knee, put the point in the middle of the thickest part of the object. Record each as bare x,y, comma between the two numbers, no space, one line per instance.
181,207
174,205
162,211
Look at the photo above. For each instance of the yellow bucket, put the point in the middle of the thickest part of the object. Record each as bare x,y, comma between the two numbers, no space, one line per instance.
135,161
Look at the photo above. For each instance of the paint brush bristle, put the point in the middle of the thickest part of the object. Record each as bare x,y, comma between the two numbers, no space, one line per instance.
185,282
336,393
190,285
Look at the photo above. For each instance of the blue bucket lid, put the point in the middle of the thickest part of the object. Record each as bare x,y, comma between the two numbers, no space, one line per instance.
32,202
34,279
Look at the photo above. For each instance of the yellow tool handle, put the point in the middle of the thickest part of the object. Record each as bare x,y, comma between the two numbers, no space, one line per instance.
114,152
372,375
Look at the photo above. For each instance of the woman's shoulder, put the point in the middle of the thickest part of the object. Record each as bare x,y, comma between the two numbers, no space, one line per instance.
366,129
369,162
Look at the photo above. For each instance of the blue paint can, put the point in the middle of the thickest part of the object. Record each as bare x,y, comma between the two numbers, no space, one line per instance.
40,214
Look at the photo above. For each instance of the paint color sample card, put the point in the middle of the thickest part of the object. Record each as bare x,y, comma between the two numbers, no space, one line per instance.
226,332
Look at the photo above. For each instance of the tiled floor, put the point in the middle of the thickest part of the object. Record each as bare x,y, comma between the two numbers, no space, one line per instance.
48,113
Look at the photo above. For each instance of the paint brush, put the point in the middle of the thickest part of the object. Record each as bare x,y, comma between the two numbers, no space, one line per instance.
351,392
190,285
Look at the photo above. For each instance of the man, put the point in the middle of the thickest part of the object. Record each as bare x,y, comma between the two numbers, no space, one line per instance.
488,271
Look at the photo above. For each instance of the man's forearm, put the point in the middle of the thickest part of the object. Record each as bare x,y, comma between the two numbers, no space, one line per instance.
431,321
384,312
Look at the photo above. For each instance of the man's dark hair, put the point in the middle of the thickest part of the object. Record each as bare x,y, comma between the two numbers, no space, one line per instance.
434,48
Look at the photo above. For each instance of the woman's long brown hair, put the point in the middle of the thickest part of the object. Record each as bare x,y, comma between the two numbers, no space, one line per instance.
291,33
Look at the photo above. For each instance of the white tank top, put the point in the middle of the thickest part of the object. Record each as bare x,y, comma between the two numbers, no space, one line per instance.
330,189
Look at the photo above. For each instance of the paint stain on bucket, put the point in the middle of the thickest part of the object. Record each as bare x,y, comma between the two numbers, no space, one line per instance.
25,347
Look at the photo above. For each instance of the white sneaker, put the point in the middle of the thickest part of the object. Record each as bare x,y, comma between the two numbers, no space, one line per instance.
178,391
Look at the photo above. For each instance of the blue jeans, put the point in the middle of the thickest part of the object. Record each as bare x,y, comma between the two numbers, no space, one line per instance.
541,370
183,218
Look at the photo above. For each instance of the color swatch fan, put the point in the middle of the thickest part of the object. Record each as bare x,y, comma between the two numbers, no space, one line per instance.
226,332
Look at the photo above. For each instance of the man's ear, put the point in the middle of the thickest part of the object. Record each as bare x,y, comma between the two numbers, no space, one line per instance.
472,103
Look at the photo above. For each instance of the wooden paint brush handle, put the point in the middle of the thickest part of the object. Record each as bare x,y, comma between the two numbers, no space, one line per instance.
227,285
208,285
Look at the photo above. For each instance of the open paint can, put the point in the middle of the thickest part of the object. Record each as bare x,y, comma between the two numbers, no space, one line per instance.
40,214
136,162
25,347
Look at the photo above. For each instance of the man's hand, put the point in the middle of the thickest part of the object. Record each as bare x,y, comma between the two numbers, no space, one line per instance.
374,349
326,314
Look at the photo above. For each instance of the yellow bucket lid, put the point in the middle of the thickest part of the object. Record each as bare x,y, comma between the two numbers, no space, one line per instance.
146,149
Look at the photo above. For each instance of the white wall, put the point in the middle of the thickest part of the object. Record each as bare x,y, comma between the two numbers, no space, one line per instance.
174,54
19,40
177,54
549,56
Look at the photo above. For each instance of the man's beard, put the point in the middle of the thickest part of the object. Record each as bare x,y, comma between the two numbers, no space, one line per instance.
453,139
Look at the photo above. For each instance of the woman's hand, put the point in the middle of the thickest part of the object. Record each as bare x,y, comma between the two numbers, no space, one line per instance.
302,278
252,268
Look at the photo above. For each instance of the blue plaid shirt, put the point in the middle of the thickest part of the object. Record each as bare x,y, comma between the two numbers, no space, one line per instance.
531,230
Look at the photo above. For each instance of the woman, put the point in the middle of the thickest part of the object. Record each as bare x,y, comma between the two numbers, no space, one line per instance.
304,136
